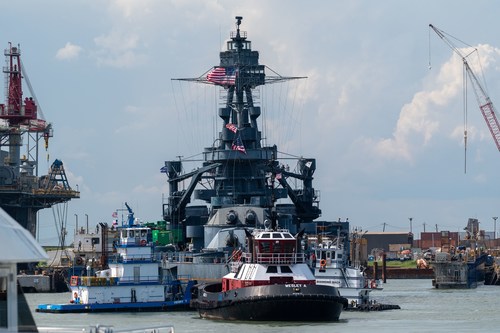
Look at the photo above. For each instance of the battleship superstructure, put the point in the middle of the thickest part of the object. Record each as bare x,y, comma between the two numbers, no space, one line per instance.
241,179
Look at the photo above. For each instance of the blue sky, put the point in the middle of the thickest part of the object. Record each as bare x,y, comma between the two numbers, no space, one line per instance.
387,131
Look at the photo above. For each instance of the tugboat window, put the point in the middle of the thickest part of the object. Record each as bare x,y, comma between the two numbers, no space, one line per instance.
277,247
286,269
272,269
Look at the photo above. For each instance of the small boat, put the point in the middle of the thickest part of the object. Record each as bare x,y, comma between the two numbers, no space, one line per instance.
463,271
270,282
331,268
133,281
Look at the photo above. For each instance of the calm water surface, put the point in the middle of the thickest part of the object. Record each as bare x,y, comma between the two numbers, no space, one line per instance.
423,309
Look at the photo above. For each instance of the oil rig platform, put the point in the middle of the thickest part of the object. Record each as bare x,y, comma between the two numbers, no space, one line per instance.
23,192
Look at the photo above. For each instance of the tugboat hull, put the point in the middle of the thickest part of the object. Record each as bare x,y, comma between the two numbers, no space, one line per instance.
288,302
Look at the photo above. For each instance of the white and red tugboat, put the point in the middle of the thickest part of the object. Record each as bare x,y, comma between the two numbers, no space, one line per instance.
270,282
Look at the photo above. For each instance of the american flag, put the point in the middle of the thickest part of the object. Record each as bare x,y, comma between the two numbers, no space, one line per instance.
232,127
224,76
238,145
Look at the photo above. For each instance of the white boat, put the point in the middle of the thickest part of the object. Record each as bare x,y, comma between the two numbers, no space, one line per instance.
133,281
331,265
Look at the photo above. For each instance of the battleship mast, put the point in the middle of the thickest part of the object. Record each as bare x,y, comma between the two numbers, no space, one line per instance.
22,192
242,171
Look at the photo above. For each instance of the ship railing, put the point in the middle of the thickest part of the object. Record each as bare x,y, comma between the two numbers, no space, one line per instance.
279,258
139,280
235,266
103,329
117,258
92,281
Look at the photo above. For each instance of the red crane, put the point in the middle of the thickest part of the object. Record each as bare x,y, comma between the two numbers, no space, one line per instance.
16,111
485,104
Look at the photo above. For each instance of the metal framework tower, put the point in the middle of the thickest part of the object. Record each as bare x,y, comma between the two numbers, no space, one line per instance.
22,192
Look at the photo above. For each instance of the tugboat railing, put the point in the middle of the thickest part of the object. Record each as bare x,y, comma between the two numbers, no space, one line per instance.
276,258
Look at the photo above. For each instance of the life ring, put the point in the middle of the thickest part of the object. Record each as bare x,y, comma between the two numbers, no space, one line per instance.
143,242
373,284
322,262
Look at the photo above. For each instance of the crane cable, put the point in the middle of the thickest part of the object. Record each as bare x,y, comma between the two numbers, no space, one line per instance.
464,85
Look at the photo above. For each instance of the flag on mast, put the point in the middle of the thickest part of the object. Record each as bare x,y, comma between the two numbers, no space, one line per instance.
238,145
224,76
232,127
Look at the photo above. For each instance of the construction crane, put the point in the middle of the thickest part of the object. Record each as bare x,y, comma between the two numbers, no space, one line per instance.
485,104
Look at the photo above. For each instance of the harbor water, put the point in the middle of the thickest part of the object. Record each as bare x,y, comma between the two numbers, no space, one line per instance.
423,309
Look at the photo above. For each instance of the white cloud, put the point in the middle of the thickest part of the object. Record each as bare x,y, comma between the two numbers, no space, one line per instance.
129,8
418,121
118,49
68,52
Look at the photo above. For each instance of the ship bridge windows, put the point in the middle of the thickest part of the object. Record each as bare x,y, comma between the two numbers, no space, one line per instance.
233,45
285,269
275,235
289,247
327,255
135,236
264,247
277,247
281,247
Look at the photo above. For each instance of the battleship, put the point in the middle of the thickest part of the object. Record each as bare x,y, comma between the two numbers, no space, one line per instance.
242,183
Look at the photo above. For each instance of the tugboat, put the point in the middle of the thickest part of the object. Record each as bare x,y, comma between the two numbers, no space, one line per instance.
132,281
332,267
270,282
336,259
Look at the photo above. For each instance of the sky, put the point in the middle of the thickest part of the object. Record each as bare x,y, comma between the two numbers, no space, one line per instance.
382,109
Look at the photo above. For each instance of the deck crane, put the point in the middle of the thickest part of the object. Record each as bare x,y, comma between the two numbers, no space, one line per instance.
485,104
